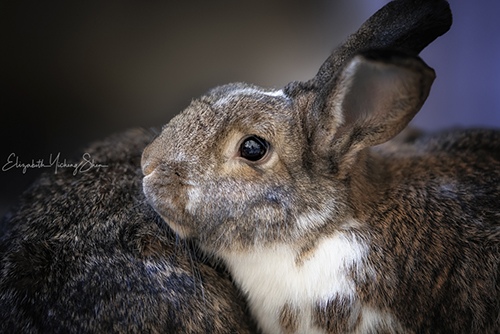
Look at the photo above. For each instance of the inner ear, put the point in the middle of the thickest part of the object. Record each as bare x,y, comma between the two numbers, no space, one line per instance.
375,96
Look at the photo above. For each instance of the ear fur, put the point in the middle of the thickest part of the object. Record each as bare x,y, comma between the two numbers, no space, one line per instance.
373,98
405,25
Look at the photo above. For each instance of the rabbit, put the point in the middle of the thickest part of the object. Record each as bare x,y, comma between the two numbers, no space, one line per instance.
325,223
84,253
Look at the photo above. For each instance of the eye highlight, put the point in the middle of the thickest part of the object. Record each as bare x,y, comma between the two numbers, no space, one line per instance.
254,148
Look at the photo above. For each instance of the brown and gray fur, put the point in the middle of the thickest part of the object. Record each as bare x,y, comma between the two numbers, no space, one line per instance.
336,228
85,253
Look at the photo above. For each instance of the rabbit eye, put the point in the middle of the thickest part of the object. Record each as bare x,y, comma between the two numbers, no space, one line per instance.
253,148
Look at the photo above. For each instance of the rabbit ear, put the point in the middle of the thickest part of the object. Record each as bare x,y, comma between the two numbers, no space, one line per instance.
374,97
352,105
405,25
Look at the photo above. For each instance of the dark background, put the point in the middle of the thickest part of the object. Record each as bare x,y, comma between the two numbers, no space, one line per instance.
73,72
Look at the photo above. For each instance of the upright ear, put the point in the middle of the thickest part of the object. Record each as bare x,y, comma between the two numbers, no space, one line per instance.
358,99
373,98
405,25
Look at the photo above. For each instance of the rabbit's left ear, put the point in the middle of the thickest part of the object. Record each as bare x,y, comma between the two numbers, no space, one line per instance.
373,98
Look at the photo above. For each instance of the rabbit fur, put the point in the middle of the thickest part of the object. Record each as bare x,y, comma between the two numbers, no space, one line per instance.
84,253
325,224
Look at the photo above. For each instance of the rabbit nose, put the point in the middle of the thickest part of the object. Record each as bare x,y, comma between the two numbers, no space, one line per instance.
148,162
148,167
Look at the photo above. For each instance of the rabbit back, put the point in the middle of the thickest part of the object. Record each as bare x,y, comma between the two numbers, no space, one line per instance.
435,231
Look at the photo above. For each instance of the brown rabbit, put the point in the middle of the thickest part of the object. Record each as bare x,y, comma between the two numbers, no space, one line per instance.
85,253
322,228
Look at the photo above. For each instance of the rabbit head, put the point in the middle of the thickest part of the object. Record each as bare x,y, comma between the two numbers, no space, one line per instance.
244,166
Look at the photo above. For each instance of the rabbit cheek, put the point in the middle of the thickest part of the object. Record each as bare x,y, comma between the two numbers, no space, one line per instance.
169,200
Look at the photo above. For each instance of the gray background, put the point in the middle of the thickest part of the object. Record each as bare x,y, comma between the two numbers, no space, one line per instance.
75,72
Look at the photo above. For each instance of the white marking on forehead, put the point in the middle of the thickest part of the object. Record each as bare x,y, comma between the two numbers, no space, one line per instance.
248,91
275,93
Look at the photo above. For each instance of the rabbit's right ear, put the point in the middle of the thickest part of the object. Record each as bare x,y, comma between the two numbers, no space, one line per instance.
405,25
358,99
373,98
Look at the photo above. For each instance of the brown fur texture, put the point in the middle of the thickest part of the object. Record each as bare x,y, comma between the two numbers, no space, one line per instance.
412,225
85,253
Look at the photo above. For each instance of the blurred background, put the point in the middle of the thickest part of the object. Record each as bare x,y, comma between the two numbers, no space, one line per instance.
74,72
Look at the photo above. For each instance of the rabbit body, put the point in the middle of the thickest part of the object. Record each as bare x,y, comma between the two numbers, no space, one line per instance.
325,228
420,252
326,223
84,253
406,240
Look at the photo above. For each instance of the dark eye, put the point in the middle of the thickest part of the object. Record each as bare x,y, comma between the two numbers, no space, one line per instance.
254,148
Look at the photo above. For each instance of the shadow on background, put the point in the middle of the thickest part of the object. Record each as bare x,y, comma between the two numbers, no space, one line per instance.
77,72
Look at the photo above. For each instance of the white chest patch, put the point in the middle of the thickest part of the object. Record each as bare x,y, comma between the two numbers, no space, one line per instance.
272,278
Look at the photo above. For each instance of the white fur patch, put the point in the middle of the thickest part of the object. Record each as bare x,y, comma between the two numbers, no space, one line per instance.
194,199
314,218
274,93
248,91
271,278
372,319
317,218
